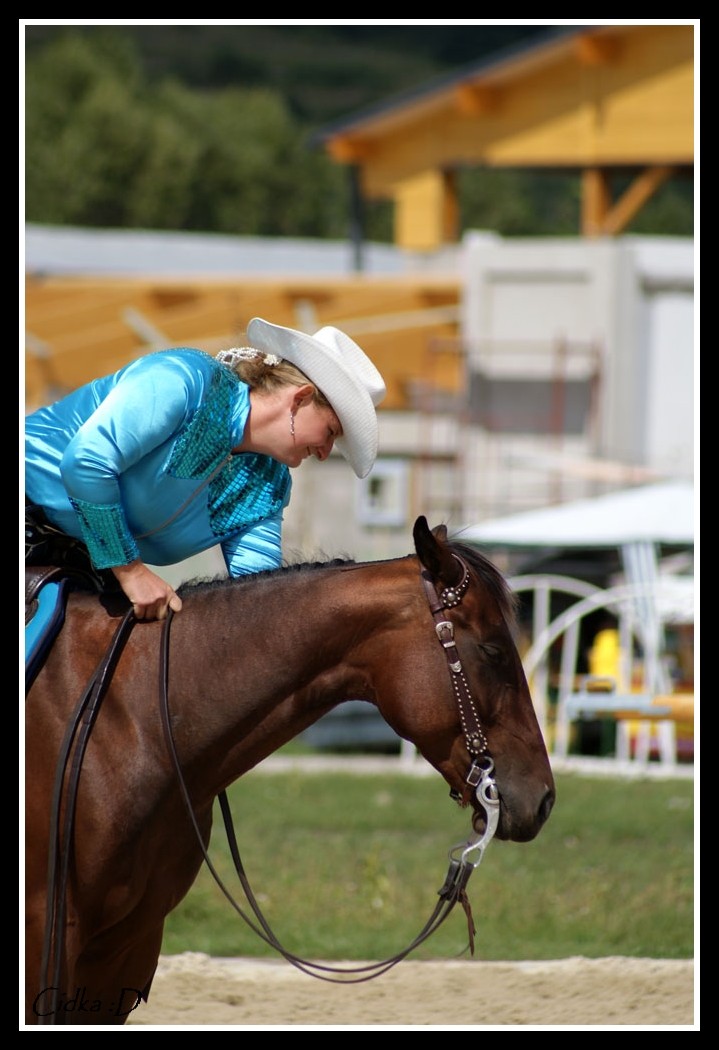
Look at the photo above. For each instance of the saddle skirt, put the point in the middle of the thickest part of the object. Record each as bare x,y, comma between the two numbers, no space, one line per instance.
46,589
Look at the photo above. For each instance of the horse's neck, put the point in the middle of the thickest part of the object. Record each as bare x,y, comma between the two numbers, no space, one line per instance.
267,665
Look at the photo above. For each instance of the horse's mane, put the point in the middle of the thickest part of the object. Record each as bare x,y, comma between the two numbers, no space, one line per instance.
199,584
486,570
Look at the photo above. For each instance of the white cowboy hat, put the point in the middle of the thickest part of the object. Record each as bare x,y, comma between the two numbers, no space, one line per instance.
344,374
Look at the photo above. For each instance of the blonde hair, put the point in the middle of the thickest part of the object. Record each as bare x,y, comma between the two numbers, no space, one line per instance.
267,372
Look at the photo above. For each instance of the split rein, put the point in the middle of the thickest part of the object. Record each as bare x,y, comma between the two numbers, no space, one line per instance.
72,752
464,857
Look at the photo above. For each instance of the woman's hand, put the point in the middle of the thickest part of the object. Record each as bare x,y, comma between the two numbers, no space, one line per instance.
151,596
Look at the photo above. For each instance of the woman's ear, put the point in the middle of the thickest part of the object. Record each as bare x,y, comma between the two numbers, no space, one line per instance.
303,395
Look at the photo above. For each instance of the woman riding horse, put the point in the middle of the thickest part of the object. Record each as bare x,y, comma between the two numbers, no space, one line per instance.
178,452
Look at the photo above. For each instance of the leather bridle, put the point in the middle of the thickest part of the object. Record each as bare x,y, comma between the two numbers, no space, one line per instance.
474,736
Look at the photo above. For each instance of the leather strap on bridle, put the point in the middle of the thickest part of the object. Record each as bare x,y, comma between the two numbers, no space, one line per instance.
474,736
73,747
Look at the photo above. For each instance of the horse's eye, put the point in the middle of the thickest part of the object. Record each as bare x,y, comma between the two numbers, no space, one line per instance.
494,653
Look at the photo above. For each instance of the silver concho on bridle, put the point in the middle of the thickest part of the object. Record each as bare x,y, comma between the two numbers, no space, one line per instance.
451,596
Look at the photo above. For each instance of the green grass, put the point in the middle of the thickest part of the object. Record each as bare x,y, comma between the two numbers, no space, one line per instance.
348,867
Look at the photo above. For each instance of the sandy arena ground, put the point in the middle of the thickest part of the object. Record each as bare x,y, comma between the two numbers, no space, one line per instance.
193,990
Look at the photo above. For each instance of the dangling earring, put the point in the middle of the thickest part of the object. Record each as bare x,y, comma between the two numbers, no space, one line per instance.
292,423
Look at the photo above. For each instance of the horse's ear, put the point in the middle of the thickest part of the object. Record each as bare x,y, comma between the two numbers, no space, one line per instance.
432,551
421,531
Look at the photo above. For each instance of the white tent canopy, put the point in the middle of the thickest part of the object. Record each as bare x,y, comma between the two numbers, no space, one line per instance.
634,521
662,513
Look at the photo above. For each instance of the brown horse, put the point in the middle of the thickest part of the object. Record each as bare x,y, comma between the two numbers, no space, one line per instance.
251,663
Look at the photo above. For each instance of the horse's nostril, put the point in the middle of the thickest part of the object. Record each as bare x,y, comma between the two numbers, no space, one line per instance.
547,805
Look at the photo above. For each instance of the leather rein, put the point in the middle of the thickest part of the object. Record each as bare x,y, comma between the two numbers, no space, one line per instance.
461,865
72,752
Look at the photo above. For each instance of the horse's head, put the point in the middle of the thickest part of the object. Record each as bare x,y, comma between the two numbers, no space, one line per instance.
468,695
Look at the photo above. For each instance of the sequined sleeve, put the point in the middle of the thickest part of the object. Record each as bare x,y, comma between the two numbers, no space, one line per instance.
106,534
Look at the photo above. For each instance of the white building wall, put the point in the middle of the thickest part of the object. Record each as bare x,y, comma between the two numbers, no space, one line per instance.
532,309
670,404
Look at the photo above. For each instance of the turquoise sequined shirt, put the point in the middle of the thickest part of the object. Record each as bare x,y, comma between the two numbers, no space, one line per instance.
139,464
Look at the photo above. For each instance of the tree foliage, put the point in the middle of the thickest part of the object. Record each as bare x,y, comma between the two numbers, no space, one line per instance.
195,128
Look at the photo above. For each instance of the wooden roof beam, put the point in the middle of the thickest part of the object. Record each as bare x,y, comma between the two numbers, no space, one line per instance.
346,150
601,217
596,50
475,100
